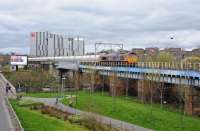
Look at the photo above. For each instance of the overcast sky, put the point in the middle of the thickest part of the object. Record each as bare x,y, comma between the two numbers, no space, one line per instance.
136,23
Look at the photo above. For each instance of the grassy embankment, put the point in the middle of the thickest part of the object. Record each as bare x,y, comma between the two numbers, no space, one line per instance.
132,111
35,121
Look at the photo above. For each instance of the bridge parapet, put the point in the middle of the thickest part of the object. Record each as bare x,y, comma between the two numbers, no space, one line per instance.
170,65
153,65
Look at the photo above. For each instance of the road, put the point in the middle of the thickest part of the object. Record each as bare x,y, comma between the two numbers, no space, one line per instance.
5,123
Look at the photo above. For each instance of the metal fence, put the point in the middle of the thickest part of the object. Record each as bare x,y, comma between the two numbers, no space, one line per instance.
170,65
156,65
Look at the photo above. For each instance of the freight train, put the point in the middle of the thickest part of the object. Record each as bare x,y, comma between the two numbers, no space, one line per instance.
123,59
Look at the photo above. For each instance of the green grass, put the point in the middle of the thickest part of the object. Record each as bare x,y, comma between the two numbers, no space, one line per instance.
47,94
135,112
132,111
28,103
6,68
35,121
42,95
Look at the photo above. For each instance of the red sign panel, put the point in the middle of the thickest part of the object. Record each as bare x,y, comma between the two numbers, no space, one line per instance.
33,34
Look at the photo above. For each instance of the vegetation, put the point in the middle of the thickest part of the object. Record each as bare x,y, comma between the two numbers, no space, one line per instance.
27,103
43,94
31,79
134,112
64,122
160,57
130,110
90,122
164,57
35,121
6,68
192,59
4,59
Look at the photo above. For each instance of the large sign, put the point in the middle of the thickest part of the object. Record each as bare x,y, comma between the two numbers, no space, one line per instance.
19,60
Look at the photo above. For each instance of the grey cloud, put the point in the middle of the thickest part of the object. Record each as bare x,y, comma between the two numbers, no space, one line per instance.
136,23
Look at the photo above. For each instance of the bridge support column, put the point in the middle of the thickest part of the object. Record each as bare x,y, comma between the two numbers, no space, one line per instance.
192,101
90,80
196,102
51,69
77,79
85,80
96,81
150,91
133,87
143,90
117,85
188,101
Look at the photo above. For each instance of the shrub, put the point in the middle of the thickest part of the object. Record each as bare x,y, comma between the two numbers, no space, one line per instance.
55,112
77,119
93,124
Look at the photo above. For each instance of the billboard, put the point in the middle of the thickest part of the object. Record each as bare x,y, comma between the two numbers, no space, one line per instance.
19,60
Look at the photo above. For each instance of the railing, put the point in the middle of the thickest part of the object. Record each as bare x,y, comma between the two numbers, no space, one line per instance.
170,65
158,65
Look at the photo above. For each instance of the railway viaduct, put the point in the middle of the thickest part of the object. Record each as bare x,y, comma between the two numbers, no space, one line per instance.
141,80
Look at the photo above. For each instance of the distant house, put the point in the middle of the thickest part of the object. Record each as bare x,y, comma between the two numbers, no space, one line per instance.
196,52
152,51
178,53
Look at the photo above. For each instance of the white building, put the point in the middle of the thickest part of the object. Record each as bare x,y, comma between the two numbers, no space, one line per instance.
52,45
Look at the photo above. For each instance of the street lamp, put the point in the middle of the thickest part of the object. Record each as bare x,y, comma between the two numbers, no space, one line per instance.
63,84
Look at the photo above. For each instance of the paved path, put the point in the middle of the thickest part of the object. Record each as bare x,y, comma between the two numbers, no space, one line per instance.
5,122
103,119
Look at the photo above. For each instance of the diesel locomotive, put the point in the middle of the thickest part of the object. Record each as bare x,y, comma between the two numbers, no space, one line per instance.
123,59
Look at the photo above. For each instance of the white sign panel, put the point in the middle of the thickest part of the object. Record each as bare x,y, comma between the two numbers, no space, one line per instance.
19,60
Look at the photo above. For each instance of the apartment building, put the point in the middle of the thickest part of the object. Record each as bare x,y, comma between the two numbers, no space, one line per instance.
46,44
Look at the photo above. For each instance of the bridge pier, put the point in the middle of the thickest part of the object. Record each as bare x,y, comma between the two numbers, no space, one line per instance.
149,90
188,106
116,85
86,80
192,101
77,78
142,89
51,69
96,81
133,87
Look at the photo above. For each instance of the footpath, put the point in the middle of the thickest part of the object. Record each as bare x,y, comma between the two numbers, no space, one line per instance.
8,119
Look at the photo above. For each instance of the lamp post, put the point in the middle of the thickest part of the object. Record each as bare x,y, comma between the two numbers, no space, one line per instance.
63,84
